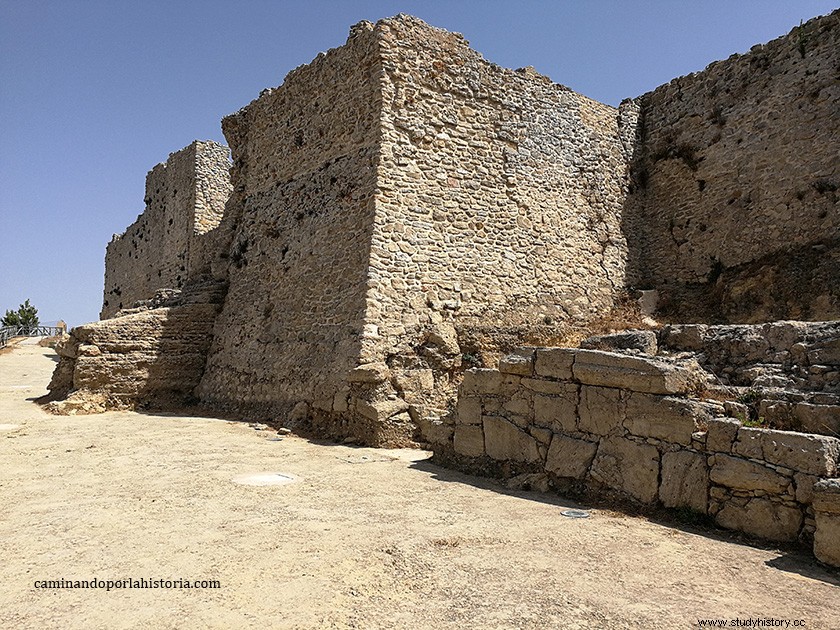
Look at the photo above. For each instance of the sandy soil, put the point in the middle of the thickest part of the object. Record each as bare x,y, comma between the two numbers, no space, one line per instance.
363,538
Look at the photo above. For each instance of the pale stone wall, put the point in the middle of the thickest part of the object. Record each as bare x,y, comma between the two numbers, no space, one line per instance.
304,160
589,421
185,199
733,213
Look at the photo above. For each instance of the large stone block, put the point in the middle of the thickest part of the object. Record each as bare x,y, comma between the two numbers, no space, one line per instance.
827,516
641,340
380,410
503,441
812,454
569,457
469,440
740,474
555,362
601,410
721,433
558,413
469,410
628,467
685,481
763,518
641,374
520,363
481,381
824,419
669,419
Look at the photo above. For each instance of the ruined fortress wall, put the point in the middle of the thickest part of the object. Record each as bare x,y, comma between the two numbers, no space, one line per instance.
735,203
500,194
304,158
184,199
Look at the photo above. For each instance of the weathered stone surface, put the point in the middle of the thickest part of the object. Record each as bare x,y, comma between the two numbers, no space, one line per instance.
827,538
685,481
761,517
558,413
481,381
824,419
555,362
826,497
469,440
812,454
804,487
721,433
503,441
669,419
641,374
627,467
643,341
601,411
469,410
741,474
381,409
569,457
749,442
369,373
520,363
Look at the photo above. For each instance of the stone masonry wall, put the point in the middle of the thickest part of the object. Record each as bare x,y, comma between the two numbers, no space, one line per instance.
590,421
304,177
733,213
185,199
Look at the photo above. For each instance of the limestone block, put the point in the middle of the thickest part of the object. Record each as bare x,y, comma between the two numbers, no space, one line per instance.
741,474
669,419
804,487
628,467
824,419
554,362
438,432
520,363
827,538
469,440
369,373
812,454
469,410
504,441
641,374
685,481
481,381
641,340
558,413
826,497
569,457
763,518
748,442
601,410
381,410
519,405
721,433
542,386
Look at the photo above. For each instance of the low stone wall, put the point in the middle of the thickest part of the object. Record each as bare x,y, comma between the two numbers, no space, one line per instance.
596,422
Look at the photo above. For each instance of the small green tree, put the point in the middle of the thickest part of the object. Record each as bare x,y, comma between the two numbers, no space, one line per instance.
25,317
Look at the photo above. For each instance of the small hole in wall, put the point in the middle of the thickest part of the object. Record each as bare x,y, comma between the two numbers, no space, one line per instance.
701,184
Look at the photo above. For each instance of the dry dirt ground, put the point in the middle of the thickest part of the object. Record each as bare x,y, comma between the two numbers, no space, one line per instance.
363,538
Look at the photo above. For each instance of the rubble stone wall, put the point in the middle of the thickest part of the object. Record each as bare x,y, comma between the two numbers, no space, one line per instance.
733,211
304,178
599,422
163,248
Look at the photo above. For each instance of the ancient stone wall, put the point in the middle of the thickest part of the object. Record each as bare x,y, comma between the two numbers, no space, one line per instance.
304,177
595,422
733,213
185,199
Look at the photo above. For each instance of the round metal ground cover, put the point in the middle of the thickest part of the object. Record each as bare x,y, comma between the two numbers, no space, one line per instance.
575,513
264,479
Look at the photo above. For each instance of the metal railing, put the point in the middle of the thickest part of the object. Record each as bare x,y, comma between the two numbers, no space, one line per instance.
8,332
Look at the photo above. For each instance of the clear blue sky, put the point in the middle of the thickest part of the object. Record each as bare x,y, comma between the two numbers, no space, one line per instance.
94,93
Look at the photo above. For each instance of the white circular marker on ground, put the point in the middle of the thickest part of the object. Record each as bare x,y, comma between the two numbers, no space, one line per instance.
9,427
264,479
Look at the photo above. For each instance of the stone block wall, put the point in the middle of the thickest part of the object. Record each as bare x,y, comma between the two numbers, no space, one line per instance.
589,421
733,212
165,247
